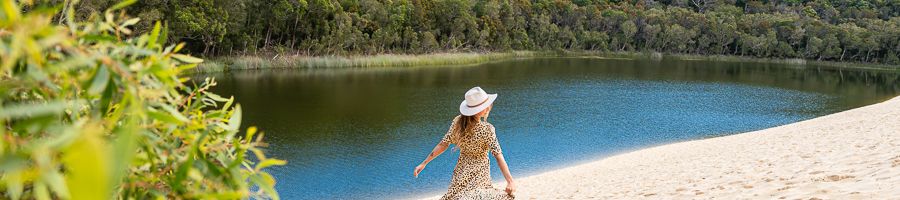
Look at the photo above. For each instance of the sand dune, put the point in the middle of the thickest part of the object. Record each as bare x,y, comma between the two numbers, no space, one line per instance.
853,154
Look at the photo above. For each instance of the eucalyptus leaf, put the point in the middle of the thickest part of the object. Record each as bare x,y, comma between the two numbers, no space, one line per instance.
215,96
154,35
101,78
269,162
14,183
121,4
57,184
12,163
131,21
174,113
23,110
40,191
234,122
187,58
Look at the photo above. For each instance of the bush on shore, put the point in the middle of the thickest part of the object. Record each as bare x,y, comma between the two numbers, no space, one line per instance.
90,111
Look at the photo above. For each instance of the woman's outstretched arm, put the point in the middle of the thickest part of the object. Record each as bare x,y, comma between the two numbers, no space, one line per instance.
510,184
438,150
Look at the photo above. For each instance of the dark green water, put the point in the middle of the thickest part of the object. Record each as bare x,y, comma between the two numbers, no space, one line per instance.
358,133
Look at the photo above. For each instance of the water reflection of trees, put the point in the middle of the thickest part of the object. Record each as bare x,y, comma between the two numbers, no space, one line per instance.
383,98
864,84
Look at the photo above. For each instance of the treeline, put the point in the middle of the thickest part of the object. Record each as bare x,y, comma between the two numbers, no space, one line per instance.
838,30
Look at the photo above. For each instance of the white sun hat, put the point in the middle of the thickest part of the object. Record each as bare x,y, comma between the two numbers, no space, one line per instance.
476,101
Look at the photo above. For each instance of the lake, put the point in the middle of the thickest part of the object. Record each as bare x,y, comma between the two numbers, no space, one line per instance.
357,133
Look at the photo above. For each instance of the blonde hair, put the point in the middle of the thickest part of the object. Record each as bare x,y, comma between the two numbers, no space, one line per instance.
464,126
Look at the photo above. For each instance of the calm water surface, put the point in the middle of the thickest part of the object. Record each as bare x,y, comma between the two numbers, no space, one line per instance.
358,133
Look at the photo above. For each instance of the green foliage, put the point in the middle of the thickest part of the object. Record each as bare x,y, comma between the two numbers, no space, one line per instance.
88,111
366,27
202,19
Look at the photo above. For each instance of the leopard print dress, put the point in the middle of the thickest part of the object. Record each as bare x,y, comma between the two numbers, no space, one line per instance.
472,175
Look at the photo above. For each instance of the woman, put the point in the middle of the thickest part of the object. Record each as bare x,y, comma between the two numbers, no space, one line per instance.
474,136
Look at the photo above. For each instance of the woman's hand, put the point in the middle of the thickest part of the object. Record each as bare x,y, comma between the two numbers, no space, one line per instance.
511,188
418,169
510,183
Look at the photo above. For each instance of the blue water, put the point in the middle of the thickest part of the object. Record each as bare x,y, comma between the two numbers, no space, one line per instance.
358,133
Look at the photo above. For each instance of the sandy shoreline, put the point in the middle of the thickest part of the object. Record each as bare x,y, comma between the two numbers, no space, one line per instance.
853,154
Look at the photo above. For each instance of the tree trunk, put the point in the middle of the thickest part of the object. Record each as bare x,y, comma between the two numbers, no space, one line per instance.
736,48
697,3
867,55
205,48
268,34
842,53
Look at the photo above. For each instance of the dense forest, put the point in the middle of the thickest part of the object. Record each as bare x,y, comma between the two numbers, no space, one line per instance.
837,30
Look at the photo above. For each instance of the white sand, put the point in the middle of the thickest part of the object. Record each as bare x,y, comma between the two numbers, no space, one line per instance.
853,154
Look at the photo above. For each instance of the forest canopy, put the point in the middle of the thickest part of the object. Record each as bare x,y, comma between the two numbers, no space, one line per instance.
837,30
